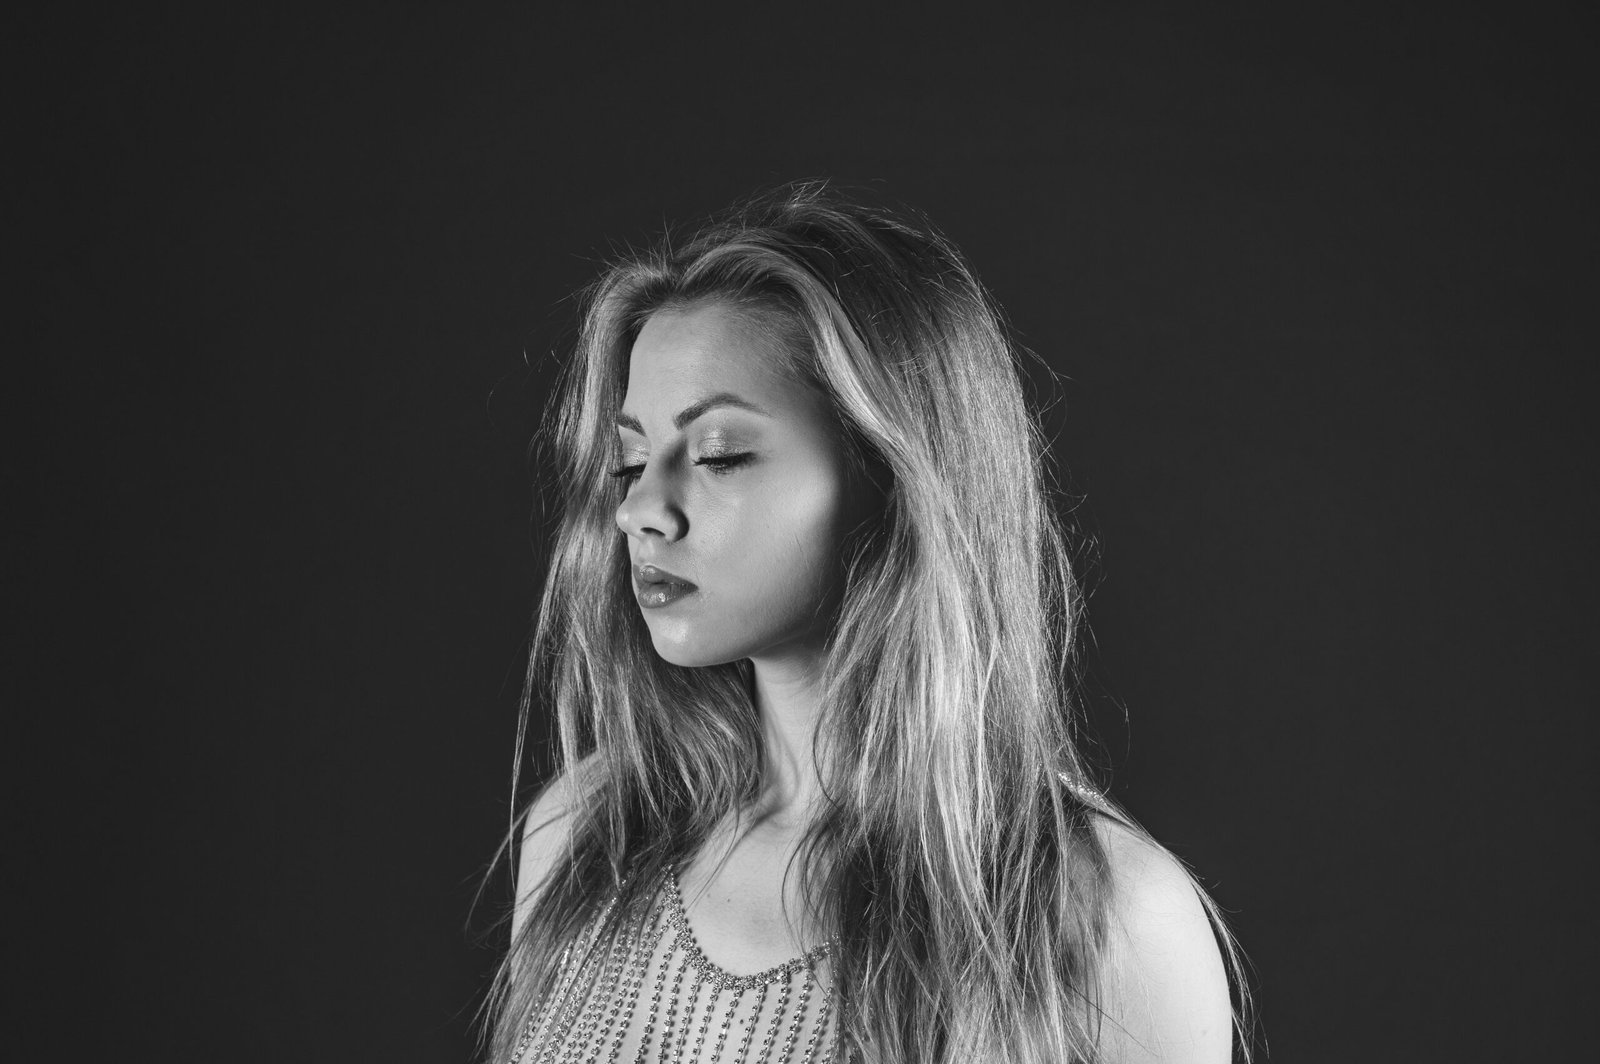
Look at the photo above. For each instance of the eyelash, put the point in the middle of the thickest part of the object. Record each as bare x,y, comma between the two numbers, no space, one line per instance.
721,465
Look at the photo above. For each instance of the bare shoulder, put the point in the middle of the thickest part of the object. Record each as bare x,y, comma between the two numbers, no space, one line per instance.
1165,989
546,827
1148,881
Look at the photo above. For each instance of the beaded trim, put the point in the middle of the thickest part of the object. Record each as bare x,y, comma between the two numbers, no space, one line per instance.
584,1015
715,974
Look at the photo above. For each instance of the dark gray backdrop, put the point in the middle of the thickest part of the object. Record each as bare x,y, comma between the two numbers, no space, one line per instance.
1319,285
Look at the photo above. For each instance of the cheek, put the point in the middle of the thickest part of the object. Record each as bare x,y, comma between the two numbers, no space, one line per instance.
781,549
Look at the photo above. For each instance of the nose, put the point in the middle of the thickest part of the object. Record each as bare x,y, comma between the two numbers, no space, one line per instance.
651,509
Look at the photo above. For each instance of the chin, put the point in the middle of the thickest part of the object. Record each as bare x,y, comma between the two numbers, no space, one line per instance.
680,643
682,649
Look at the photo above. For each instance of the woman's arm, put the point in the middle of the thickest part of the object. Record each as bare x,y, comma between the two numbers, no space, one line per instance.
544,839
1165,991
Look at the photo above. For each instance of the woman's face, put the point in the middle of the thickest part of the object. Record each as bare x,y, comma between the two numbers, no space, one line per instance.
739,494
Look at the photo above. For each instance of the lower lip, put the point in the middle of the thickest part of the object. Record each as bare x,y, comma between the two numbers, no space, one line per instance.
654,596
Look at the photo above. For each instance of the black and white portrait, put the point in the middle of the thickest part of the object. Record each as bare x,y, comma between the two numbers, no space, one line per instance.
789,535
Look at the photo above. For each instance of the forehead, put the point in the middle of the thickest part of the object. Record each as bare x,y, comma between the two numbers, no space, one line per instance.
681,355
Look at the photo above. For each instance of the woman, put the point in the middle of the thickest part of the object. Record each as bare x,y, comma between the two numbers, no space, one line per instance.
808,630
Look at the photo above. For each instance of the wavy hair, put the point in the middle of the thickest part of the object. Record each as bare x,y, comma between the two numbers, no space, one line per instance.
955,847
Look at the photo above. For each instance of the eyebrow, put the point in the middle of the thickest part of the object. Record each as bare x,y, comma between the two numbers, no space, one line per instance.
694,410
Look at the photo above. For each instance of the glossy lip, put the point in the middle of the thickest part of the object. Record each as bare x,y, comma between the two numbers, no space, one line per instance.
653,574
658,588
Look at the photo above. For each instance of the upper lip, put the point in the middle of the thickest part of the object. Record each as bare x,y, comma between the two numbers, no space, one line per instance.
654,574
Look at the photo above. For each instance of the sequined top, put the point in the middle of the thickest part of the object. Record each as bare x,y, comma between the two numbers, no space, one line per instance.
648,993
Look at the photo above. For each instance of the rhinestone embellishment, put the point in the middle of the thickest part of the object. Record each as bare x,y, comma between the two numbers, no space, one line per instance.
695,1012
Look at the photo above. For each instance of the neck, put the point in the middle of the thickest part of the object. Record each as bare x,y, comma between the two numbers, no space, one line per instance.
788,698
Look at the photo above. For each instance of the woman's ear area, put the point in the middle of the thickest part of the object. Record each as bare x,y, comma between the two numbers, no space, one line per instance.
869,484
873,469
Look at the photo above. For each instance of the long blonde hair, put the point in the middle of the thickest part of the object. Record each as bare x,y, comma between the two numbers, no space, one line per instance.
955,851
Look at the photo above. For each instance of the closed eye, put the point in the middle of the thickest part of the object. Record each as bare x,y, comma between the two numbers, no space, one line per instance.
721,465
724,463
